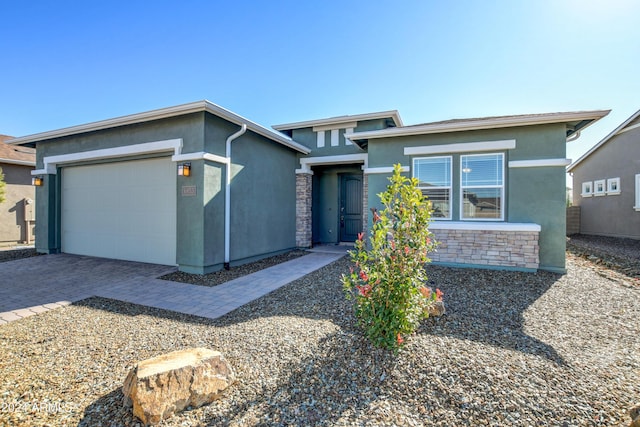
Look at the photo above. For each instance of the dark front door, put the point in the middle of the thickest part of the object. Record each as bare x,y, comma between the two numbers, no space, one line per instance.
350,207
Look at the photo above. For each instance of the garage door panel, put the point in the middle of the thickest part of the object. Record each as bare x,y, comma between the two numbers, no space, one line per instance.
123,210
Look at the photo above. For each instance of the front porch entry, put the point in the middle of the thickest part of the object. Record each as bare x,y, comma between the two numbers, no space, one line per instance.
335,212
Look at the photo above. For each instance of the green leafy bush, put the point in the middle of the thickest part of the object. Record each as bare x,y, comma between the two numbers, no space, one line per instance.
388,281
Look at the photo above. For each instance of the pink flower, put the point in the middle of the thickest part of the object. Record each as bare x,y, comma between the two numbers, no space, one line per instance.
406,250
360,236
400,339
364,290
428,241
363,275
426,292
439,294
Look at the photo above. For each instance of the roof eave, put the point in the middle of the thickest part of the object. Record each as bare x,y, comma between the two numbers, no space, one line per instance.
18,162
604,140
157,115
482,124
394,114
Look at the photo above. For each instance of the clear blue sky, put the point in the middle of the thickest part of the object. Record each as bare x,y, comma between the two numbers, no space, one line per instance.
65,63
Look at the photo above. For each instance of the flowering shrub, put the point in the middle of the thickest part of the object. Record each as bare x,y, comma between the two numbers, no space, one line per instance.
388,281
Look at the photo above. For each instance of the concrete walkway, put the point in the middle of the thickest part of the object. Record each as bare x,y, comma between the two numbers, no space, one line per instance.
34,285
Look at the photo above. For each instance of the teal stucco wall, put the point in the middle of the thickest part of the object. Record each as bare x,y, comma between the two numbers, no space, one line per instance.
188,127
262,189
533,194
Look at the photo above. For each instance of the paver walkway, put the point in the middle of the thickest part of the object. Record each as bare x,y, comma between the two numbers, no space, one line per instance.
34,285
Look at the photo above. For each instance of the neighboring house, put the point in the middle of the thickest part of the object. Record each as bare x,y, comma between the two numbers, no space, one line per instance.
606,183
113,188
16,212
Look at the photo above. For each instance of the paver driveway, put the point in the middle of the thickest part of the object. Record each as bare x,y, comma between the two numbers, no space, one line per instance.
33,285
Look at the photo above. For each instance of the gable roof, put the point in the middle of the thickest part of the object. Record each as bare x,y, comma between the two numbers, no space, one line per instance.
391,114
162,113
576,121
16,155
631,123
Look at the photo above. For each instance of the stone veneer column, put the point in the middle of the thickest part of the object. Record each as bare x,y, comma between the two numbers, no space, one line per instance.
303,210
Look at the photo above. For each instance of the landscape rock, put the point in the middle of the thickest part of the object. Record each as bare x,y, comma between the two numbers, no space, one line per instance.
436,309
634,413
157,388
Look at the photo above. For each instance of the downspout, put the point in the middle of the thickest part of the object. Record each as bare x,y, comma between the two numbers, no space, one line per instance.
227,195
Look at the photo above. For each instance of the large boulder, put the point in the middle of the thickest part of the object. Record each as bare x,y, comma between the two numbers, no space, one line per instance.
634,413
159,387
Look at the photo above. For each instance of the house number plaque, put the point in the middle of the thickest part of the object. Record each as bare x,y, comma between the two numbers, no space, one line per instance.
188,190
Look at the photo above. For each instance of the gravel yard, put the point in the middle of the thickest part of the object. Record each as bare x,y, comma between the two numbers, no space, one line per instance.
513,349
619,255
11,254
222,276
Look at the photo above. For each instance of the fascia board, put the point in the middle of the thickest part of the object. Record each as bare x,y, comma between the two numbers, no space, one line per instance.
480,124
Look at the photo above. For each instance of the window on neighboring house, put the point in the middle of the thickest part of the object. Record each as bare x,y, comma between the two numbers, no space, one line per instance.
434,176
613,186
599,188
482,186
587,189
637,206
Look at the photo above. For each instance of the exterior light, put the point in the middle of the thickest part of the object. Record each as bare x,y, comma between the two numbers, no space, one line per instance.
37,181
184,169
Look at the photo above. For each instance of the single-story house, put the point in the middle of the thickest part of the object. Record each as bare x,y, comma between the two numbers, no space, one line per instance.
201,187
606,183
17,212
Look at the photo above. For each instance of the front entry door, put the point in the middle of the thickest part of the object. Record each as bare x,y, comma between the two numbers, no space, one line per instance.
350,207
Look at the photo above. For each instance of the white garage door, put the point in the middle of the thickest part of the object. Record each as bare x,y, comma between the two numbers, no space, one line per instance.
122,210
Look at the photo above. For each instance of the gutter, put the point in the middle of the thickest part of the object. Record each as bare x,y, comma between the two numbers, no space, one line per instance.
227,194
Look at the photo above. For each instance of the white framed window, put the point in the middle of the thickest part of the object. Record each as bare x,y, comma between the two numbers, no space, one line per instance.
434,179
599,187
637,206
335,137
613,186
482,187
587,189
320,139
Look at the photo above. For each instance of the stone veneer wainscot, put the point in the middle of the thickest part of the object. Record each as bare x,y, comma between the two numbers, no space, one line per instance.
512,245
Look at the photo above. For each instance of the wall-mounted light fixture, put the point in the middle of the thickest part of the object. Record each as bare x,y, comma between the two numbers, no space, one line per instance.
37,181
184,169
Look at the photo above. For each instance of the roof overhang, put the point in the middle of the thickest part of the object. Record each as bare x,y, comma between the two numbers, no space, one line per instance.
337,121
575,121
615,132
17,162
163,113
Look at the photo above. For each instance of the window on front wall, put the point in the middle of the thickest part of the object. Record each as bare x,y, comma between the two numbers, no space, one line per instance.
613,186
482,186
434,179
599,188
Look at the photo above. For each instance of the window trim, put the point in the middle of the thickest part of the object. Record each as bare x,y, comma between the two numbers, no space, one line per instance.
604,187
501,187
450,187
587,193
610,181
